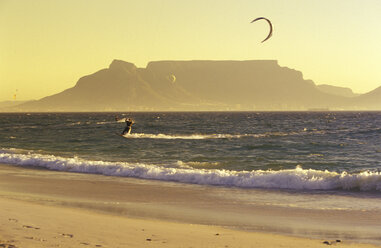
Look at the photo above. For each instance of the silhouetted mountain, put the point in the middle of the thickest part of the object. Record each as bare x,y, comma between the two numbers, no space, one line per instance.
120,87
194,85
336,90
246,85
7,104
370,100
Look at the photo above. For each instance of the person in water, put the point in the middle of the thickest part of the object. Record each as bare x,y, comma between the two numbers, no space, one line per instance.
129,123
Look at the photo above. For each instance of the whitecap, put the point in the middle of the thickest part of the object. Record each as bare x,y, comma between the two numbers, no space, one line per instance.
297,179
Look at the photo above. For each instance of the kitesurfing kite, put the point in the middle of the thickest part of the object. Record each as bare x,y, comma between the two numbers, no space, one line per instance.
271,26
171,78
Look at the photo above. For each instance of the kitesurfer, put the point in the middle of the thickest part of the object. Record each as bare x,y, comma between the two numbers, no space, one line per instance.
129,123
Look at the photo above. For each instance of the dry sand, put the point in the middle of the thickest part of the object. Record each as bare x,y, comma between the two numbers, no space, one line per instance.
40,208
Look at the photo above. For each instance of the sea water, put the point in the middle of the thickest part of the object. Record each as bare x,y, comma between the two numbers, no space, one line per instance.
271,150
320,168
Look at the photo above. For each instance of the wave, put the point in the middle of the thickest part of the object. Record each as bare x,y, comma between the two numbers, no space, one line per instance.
105,122
109,122
198,136
74,123
77,123
196,164
217,136
296,179
191,136
121,119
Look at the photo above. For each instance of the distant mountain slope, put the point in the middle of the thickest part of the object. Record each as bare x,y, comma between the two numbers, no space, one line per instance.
7,104
336,90
194,85
370,100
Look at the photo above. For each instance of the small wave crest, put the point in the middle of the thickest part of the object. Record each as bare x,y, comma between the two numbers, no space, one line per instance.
297,179
196,164
121,119
105,122
172,136
213,136
190,137
74,123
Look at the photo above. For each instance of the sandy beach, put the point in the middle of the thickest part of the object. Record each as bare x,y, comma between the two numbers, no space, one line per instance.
41,208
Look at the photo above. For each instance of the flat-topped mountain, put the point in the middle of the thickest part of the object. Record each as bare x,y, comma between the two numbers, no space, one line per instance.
195,85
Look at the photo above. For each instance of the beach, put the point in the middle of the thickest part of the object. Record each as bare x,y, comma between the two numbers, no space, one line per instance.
41,208
190,124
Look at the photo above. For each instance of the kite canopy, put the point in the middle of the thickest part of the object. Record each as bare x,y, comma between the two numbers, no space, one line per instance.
271,26
171,78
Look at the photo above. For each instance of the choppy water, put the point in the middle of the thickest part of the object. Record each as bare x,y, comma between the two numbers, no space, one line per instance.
294,150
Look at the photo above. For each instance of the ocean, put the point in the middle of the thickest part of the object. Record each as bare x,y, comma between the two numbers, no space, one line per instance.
312,174
298,151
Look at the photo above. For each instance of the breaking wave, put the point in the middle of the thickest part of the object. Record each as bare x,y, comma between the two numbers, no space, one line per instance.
297,179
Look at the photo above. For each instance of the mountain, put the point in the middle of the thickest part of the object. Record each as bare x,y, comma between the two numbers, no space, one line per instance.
370,100
194,85
336,90
7,104
122,86
247,85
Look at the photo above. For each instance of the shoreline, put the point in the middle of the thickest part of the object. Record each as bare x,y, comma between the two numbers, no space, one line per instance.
179,215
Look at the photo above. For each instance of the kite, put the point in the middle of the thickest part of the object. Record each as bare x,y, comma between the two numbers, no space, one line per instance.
171,78
271,26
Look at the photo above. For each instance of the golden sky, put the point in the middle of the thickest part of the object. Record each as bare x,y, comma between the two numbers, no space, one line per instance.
47,45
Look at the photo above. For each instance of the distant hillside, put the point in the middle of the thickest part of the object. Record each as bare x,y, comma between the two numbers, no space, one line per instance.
195,85
336,90
370,100
6,104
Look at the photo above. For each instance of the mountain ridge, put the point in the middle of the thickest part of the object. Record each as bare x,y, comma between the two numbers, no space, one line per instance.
337,90
205,85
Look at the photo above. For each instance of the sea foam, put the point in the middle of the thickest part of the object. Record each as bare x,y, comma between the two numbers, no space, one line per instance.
190,137
198,136
297,179
218,136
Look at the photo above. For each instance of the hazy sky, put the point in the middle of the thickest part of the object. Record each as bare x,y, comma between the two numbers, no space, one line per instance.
47,45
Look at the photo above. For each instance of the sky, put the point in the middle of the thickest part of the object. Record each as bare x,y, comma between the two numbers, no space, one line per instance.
47,45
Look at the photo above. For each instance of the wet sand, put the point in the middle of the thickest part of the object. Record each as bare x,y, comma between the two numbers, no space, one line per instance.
41,208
